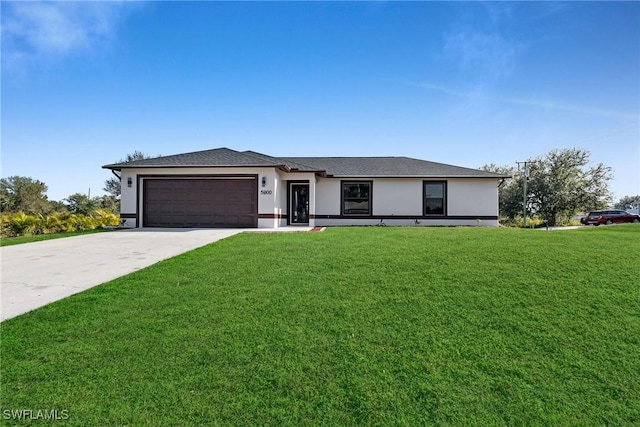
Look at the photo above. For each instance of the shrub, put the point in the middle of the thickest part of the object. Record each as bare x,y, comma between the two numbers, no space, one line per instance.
48,224
536,222
106,218
21,224
532,222
78,222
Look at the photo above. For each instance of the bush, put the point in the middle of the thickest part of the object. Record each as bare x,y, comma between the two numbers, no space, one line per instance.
21,224
536,222
532,222
106,218
48,224
83,222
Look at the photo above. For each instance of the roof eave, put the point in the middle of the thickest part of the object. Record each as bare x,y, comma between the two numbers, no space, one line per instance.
418,176
120,167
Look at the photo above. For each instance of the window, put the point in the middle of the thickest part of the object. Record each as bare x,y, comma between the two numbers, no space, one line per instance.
435,198
356,197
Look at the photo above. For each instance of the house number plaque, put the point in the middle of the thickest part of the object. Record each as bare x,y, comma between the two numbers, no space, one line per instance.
266,192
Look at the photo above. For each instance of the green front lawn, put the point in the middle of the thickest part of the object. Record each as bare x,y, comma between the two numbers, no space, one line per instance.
351,326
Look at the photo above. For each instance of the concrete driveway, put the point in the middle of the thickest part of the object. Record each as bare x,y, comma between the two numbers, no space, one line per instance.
36,274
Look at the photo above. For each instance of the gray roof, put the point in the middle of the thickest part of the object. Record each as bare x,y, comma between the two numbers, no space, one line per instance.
388,166
343,167
216,157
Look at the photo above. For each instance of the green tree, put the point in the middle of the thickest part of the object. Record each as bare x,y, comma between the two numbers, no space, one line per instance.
627,202
112,185
23,194
558,185
109,203
79,203
58,207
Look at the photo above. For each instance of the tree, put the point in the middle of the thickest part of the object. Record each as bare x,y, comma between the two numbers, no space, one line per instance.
559,185
627,202
112,185
108,203
23,194
79,203
58,207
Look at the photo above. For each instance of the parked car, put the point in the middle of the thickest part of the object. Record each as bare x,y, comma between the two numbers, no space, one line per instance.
609,217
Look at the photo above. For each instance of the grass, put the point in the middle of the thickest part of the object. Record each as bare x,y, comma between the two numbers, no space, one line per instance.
351,326
8,241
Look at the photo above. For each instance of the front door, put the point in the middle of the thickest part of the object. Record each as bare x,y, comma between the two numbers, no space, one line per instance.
299,204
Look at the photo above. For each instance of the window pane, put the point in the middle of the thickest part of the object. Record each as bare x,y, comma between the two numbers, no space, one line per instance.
434,190
434,198
356,198
356,206
434,207
356,190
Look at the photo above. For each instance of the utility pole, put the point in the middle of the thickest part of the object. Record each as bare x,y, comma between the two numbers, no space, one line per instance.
524,197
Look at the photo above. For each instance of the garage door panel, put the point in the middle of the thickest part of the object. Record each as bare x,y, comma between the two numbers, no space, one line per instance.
200,203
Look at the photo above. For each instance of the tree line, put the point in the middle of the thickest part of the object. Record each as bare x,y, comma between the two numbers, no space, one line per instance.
559,185
25,208
29,196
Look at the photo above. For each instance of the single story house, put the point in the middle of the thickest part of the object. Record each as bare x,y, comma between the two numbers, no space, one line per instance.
228,188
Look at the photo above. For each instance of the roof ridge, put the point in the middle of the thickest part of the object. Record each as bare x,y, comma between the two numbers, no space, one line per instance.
348,157
289,161
256,155
201,151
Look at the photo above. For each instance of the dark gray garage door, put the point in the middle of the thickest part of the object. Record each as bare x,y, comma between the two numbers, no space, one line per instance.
205,203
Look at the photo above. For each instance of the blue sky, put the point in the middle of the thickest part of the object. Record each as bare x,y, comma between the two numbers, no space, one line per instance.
465,83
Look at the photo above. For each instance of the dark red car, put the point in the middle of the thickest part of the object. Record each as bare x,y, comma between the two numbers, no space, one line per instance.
609,217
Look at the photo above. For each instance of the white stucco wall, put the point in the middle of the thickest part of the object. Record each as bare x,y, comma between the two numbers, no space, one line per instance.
328,196
390,196
128,196
466,197
281,201
397,196
472,197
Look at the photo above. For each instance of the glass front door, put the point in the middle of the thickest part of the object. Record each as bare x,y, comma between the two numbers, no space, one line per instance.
299,207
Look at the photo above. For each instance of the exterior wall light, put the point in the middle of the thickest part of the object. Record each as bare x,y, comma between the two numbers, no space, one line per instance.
129,182
264,181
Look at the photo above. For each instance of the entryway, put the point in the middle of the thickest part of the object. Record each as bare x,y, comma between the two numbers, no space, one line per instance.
299,203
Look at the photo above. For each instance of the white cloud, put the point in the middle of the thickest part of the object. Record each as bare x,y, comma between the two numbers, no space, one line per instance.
552,105
480,40
479,94
487,51
34,31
